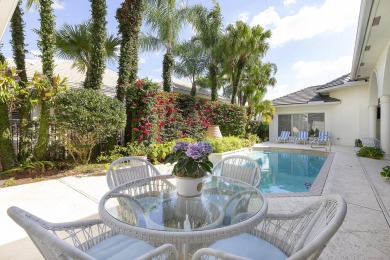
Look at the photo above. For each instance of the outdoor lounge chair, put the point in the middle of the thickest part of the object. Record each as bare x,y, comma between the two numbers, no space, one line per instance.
299,235
303,137
371,142
284,135
127,169
239,167
90,239
323,137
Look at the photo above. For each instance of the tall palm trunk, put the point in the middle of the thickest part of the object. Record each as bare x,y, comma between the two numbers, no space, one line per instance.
168,63
214,82
17,40
99,35
129,17
7,152
237,78
43,132
46,45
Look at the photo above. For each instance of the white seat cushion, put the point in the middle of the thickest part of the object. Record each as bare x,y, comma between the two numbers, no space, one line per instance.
119,247
249,246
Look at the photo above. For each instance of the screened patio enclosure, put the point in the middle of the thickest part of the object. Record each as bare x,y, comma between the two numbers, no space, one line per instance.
311,122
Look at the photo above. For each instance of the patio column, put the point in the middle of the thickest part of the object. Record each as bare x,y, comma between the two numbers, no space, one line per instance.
372,111
385,124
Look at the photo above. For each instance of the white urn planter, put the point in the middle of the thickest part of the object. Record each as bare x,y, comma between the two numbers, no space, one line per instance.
213,131
189,187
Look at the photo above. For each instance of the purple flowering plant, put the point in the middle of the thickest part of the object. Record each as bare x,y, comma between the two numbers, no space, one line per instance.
192,159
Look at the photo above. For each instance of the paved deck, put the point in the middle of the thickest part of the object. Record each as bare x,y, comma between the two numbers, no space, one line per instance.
365,233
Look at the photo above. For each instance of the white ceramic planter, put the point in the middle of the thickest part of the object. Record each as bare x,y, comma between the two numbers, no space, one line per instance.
189,187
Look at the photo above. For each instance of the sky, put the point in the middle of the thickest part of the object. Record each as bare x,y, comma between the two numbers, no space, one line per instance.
312,41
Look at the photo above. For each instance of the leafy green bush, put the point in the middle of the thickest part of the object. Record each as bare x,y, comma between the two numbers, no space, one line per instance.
386,172
229,143
260,129
370,152
253,139
85,117
141,97
137,149
159,151
230,118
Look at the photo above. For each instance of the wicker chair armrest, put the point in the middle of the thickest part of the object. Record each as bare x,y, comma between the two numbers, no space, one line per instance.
166,251
206,253
72,225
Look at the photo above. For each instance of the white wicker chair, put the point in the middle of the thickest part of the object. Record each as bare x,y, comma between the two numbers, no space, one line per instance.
90,239
240,168
127,169
299,235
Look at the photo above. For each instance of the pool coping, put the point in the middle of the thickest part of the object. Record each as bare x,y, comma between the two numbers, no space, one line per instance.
318,184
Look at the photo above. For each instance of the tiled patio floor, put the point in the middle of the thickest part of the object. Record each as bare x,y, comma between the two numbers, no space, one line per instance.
365,233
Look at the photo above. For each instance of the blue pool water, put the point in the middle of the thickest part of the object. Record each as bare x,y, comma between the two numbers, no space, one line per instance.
287,171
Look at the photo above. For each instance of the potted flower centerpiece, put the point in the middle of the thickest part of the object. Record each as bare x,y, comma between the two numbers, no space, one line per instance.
192,164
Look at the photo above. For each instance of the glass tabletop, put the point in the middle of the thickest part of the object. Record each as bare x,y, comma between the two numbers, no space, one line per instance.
154,204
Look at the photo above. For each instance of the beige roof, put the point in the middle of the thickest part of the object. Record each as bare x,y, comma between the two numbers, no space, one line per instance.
75,78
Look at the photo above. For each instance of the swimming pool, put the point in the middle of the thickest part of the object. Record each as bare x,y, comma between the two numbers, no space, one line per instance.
285,171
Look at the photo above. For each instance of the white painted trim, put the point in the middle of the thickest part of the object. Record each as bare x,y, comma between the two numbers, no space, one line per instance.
343,86
362,32
7,8
310,104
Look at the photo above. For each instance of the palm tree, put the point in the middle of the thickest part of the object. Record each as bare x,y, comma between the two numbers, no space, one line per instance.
192,61
256,79
165,23
46,45
98,40
241,43
208,26
129,16
18,48
75,43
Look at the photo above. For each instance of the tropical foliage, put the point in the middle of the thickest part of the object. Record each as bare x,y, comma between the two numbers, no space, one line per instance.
370,152
141,98
8,94
18,48
164,22
94,79
46,45
208,28
241,44
85,117
75,43
192,62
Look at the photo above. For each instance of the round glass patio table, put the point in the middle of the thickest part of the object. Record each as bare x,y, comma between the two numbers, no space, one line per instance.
151,210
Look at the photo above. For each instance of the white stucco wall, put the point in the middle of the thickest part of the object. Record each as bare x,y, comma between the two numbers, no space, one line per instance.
380,70
345,122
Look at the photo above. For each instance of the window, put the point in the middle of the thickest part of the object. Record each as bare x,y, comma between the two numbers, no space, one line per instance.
316,122
284,123
301,122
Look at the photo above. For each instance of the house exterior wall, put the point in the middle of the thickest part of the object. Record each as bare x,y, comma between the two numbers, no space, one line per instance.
380,68
345,122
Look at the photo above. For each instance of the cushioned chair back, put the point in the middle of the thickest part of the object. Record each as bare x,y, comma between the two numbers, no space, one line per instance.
318,224
127,169
239,167
303,135
323,136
